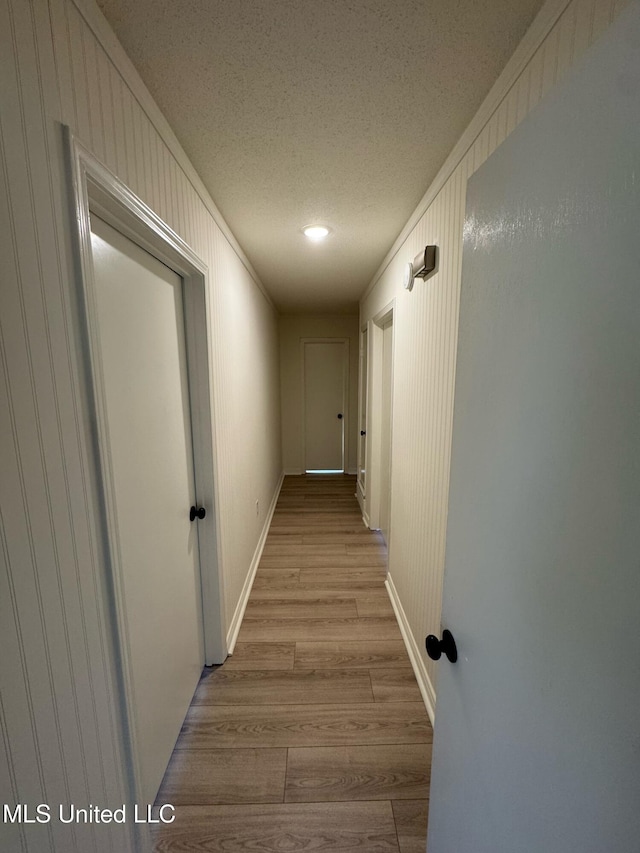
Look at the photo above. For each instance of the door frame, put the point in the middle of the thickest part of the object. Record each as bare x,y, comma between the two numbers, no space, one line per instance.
363,414
345,396
373,456
97,190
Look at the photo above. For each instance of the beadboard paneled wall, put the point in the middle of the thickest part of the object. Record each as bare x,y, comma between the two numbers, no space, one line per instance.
426,320
59,718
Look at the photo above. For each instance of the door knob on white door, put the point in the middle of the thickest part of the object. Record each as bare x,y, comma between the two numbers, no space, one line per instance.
447,644
340,416
197,512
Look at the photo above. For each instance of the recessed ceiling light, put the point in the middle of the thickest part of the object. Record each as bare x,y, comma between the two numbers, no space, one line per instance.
316,233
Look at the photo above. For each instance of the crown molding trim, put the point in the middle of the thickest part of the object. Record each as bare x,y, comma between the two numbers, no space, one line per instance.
101,29
542,25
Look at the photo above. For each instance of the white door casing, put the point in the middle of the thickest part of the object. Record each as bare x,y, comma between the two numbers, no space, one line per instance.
362,415
379,419
95,188
325,366
536,733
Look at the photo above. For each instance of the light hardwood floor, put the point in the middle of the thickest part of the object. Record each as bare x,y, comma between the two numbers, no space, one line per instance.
312,736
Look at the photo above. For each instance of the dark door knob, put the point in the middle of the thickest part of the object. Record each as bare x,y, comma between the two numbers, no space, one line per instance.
363,432
447,644
340,416
197,512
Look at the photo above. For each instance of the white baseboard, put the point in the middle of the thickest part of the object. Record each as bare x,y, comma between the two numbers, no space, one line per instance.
422,676
298,472
236,622
361,502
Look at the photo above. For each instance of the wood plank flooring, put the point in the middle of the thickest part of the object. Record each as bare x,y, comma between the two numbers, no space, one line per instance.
313,734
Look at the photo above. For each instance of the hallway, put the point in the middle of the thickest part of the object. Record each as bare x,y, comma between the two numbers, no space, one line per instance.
313,735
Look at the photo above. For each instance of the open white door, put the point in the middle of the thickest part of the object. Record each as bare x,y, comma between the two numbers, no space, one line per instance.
537,744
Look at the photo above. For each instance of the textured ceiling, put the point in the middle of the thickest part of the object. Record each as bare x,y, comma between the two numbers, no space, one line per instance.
334,111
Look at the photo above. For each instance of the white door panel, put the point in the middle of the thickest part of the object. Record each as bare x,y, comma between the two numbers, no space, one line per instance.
325,365
536,737
141,328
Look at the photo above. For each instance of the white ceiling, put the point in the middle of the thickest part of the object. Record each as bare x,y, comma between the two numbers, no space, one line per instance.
335,111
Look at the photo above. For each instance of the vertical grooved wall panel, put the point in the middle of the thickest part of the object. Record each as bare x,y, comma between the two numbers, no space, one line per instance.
426,326
59,721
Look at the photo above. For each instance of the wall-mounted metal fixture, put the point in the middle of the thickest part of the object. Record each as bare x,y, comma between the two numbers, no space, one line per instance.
423,266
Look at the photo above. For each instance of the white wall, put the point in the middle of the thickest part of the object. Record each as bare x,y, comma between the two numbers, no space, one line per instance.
58,715
292,330
426,320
